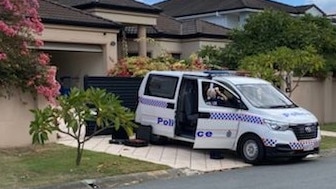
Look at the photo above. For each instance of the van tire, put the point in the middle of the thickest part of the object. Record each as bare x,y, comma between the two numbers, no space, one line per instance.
251,149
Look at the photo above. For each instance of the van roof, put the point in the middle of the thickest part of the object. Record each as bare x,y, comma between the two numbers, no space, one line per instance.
239,80
180,73
228,77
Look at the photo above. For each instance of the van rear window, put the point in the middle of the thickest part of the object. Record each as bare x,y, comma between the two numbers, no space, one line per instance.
161,86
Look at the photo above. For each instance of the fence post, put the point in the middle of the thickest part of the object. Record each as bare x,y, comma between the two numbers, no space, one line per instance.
328,99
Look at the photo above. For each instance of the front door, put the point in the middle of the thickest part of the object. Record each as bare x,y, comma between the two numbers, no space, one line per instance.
218,122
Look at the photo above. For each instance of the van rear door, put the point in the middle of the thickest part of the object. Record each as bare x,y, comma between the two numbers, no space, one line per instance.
157,104
218,123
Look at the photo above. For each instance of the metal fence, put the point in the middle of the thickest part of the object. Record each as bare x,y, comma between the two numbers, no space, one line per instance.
124,87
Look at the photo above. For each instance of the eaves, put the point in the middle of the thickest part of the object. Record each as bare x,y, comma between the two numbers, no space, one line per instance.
175,36
116,7
81,23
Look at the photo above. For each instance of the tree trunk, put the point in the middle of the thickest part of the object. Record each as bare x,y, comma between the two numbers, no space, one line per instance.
80,148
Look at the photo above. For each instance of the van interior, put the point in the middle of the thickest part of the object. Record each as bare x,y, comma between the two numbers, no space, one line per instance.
187,109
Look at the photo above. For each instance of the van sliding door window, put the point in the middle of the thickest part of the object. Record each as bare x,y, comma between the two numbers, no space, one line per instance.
161,86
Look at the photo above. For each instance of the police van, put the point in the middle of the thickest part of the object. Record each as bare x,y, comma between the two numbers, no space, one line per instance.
257,120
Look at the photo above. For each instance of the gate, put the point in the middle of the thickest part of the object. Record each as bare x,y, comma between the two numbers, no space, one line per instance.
124,87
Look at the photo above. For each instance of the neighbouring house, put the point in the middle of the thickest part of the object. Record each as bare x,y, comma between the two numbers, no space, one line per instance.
87,37
230,14
332,17
147,32
178,38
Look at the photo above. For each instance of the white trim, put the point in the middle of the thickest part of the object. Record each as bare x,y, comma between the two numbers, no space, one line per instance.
222,13
71,47
80,28
219,13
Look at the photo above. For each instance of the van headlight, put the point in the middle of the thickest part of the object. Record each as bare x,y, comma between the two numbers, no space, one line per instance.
276,125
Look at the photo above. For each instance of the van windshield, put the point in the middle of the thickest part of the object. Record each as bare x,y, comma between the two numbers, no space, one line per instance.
265,96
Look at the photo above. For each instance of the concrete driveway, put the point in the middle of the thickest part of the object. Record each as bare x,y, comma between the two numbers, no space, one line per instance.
175,155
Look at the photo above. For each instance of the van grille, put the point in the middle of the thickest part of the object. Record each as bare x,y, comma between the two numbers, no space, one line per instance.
305,131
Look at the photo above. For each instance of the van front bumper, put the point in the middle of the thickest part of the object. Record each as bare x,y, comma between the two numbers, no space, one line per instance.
284,150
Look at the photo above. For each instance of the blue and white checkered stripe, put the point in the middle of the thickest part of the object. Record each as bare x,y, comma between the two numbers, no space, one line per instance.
300,145
296,145
269,142
225,116
236,117
152,102
293,145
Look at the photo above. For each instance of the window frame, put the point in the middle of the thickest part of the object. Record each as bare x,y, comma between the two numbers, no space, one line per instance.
170,95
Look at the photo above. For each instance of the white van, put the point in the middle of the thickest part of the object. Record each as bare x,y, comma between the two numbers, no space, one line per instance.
257,120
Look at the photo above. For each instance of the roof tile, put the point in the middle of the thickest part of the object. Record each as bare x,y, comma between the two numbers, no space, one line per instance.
119,4
179,8
167,25
52,12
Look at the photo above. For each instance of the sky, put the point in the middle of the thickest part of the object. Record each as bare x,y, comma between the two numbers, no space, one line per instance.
328,6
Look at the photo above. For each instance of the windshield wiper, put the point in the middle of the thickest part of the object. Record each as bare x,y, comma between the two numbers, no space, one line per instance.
282,106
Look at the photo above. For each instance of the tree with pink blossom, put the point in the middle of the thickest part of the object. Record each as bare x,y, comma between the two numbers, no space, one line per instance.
21,64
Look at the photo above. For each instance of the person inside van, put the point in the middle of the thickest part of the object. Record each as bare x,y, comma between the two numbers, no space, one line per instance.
215,97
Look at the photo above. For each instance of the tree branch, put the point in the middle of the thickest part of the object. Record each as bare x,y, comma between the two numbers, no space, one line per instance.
67,133
96,132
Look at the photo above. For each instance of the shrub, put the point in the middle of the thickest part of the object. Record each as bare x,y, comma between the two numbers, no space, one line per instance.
139,66
21,65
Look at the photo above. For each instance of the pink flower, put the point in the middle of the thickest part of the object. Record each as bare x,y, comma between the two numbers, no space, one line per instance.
3,56
7,30
39,43
43,59
21,17
7,5
50,90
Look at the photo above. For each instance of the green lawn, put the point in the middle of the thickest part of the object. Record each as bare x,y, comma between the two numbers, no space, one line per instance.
329,127
53,163
328,143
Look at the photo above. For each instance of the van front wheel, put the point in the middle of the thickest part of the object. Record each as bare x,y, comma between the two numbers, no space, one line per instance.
251,149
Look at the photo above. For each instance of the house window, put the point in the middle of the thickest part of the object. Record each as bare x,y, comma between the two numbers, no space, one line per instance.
176,55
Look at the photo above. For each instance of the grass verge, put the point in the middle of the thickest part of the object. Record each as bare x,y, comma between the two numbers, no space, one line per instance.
54,163
328,143
329,127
